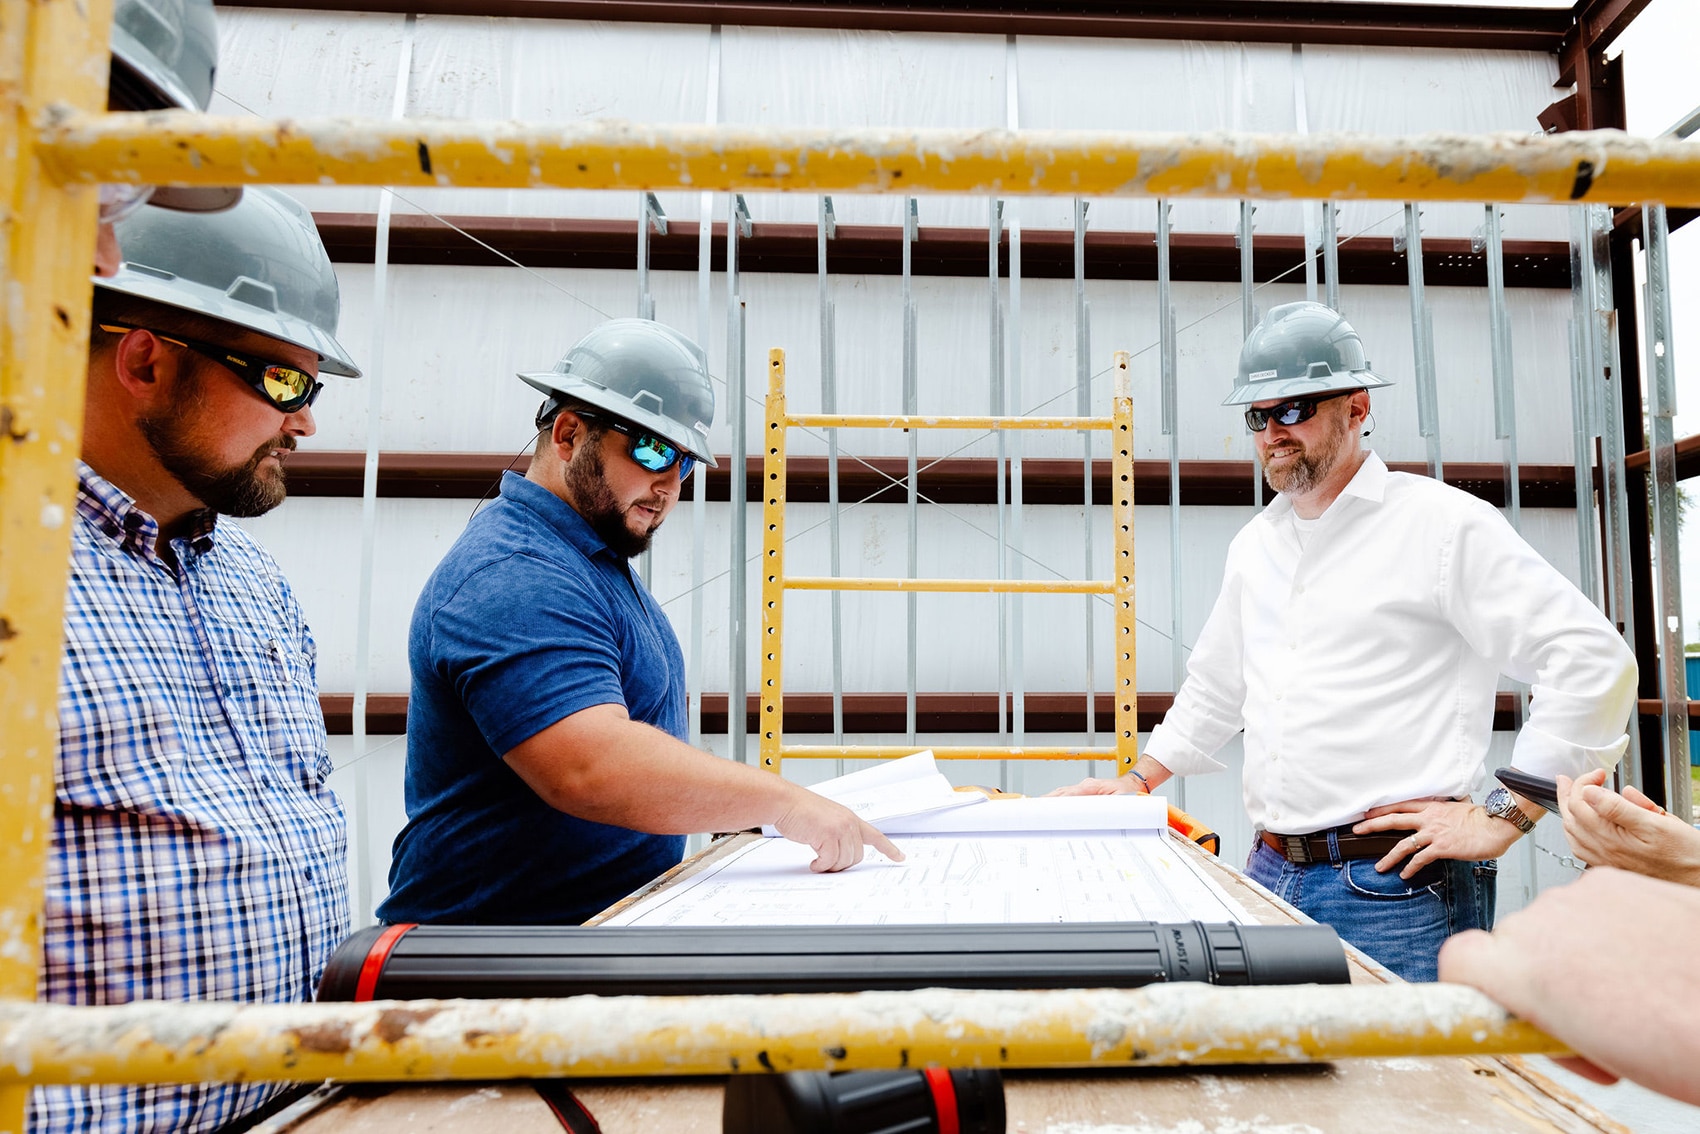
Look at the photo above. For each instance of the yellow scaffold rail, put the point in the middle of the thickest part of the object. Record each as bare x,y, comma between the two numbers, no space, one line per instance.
1183,1024
935,421
49,235
948,752
179,148
771,744
958,586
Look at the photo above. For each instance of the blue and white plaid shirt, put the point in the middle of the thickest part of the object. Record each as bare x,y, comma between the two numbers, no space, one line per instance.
197,853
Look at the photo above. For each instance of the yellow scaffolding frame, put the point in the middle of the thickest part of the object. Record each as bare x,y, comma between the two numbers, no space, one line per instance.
56,144
774,582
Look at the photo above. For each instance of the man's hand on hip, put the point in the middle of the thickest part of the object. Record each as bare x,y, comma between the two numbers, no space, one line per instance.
833,830
1440,829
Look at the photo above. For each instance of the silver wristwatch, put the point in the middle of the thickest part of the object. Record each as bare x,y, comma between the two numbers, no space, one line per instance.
1500,805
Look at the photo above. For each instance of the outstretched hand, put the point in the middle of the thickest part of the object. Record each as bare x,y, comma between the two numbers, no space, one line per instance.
833,831
1559,964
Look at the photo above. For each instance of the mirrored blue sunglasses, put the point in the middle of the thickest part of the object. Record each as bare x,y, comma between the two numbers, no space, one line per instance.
648,450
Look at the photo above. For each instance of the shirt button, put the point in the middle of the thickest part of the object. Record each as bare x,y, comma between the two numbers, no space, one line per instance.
1280,696
1299,589
307,874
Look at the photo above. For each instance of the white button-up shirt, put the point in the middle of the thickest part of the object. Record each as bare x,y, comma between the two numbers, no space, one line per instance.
1363,666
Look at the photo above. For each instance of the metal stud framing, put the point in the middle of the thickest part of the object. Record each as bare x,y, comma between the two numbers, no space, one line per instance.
1170,383
738,224
1599,415
1422,339
1667,510
1083,407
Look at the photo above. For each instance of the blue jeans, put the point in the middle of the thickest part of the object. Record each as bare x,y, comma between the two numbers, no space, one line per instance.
1401,924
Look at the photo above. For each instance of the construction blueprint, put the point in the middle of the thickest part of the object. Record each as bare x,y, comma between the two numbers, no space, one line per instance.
1103,858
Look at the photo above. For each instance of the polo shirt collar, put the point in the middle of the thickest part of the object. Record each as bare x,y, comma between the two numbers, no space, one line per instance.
556,513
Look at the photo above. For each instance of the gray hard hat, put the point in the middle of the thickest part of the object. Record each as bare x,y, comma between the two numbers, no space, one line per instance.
164,57
640,372
1300,349
260,265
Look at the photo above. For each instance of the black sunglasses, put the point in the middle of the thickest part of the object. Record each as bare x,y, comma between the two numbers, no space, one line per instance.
1290,412
286,387
649,451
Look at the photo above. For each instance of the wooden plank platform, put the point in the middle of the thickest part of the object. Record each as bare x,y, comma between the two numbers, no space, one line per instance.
1380,1096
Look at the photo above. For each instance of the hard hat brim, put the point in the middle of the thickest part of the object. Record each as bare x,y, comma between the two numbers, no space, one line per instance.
198,299
1272,389
554,384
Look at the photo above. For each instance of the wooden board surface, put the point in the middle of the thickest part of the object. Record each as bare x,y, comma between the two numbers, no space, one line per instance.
1362,1096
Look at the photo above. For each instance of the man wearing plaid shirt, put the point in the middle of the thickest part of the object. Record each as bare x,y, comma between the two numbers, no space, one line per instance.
198,853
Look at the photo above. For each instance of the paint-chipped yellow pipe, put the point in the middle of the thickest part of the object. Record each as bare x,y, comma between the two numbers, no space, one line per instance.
940,421
178,148
942,752
963,586
1165,1025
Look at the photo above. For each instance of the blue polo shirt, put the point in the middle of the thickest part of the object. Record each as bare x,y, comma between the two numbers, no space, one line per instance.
528,619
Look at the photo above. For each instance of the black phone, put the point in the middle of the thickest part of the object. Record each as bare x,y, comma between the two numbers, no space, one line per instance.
1537,788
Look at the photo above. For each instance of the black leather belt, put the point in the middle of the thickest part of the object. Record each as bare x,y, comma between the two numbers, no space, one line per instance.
1302,850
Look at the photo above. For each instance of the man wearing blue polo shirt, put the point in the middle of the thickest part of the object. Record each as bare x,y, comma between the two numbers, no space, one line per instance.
547,776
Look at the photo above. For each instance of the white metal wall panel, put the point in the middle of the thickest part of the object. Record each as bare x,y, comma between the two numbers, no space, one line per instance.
1112,84
1385,90
570,70
294,64
457,336
811,77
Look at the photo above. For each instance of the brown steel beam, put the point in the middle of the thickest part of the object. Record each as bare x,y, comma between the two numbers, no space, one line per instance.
877,480
811,713
386,713
545,242
1599,22
1687,458
1598,99
1246,21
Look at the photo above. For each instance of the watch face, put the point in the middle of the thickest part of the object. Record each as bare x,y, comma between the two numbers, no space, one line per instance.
1500,805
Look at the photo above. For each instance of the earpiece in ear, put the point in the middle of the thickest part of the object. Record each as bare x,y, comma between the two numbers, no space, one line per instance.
1369,425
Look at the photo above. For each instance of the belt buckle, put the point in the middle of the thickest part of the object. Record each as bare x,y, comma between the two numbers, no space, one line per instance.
1297,849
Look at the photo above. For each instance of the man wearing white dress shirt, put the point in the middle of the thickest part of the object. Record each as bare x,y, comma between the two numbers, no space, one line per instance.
1364,620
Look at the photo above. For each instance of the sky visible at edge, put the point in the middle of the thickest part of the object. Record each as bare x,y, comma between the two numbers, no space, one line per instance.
1663,85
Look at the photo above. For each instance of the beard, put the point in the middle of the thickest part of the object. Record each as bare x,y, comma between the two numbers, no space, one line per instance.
1312,464
230,490
595,502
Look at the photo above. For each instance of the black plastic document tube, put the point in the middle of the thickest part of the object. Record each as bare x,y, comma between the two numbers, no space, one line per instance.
484,962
